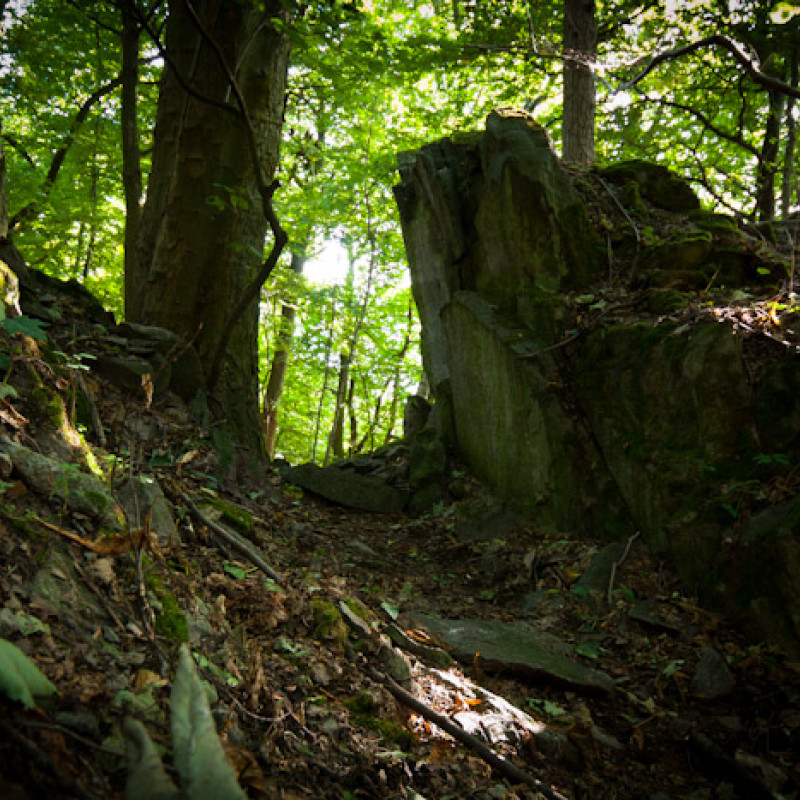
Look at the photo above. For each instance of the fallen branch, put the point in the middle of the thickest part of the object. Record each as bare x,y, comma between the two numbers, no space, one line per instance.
233,540
497,762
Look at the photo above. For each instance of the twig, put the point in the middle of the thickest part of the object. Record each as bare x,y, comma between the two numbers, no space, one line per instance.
239,545
622,208
616,564
497,762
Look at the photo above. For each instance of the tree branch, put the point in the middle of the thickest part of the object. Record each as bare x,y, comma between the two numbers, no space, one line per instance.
751,67
14,143
30,211
707,124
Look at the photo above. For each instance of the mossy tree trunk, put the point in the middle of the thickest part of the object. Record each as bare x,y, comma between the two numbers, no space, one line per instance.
202,231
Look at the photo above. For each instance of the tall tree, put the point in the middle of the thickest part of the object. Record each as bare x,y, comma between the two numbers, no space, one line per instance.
580,48
280,363
204,223
3,199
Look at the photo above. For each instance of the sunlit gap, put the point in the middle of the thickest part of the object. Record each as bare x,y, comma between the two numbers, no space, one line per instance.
329,266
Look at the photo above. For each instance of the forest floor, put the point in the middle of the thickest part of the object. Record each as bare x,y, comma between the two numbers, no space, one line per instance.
302,701
306,712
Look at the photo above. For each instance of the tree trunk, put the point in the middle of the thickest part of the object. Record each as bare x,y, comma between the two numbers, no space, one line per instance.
3,198
280,363
336,436
768,161
131,164
580,47
202,230
789,177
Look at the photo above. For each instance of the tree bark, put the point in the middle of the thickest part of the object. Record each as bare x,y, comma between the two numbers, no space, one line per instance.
131,163
336,436
3,197
768,160
789,176
202,231
280,364
580,48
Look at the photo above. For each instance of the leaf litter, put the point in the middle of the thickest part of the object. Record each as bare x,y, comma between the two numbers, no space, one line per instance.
311,701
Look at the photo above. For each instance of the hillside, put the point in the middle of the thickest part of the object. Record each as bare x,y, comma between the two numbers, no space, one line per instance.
584,669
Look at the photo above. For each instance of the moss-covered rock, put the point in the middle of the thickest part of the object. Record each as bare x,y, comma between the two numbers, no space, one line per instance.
665,301
681,251
631,196
328,622
661,187
364,707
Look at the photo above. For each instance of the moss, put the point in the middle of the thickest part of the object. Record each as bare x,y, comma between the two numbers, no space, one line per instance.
714,223
632,198
660,186
363,707
681,252
328,621
665,301
236,516
170,619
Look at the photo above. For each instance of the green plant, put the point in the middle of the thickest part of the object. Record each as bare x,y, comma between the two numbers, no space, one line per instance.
20,678
203,770
27,326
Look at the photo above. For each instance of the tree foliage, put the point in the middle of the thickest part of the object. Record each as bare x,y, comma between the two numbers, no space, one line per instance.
707,88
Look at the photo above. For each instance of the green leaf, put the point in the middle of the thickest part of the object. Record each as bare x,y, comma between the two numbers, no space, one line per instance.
8,391
234,571
147,779
27,326
199,758
20,678
588,649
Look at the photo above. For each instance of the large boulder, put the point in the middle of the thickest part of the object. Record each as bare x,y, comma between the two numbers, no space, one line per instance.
662,418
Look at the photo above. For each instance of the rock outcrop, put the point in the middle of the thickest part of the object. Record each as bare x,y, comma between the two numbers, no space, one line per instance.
596,358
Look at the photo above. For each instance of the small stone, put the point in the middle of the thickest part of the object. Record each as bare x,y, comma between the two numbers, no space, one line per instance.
320,674
712,677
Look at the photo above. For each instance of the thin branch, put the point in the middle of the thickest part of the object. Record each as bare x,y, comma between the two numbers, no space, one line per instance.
30,211
15,144
170,62
237,543
618,563
707,124
751,67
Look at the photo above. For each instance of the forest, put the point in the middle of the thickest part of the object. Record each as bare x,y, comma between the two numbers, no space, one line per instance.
399,399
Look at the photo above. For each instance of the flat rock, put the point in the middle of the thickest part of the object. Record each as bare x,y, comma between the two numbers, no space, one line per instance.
515,648
346,488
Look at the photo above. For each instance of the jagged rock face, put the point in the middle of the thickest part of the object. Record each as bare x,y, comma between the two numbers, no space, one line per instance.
644,423
492,213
